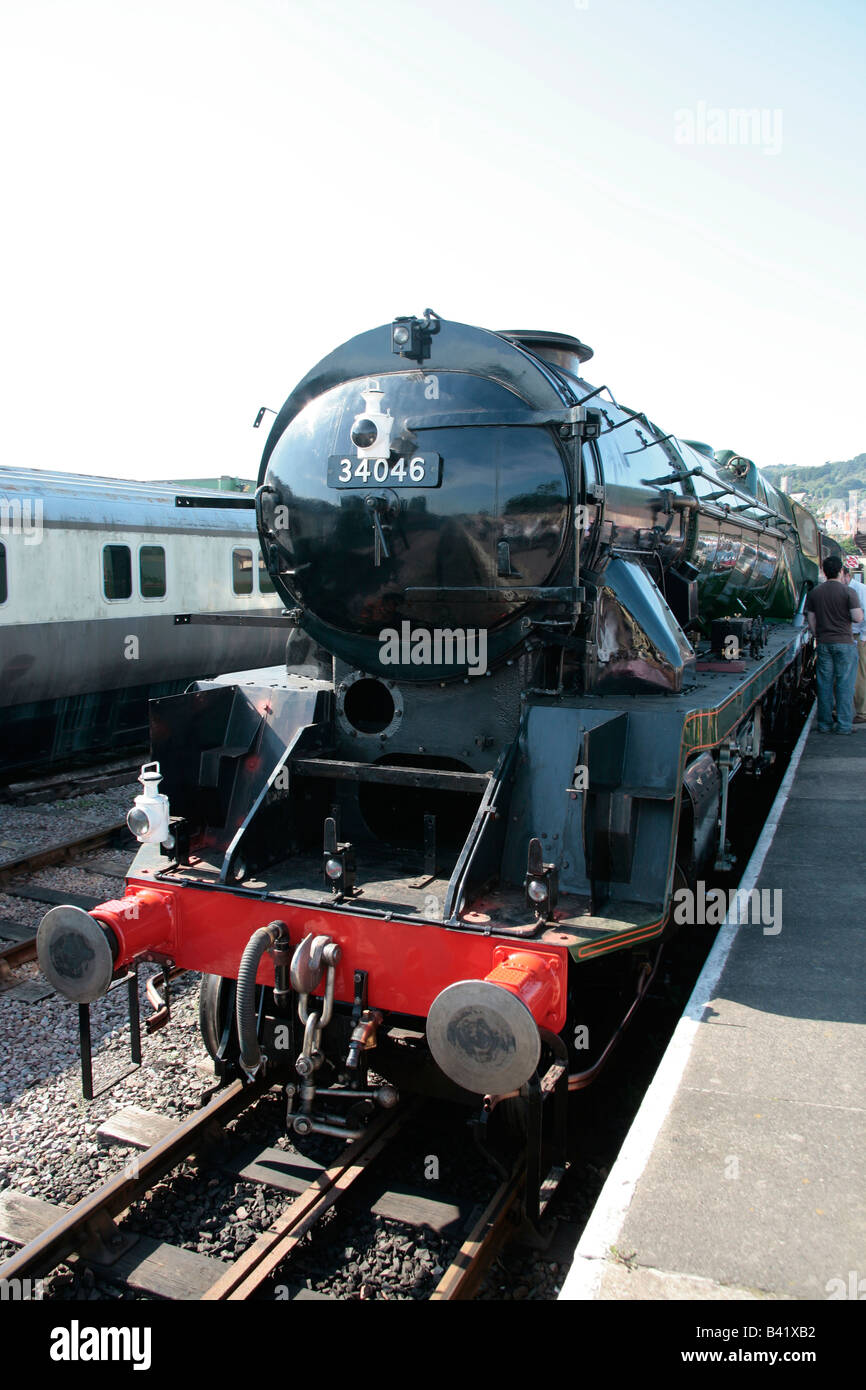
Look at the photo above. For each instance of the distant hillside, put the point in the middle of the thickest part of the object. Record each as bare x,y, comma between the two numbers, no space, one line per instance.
824,481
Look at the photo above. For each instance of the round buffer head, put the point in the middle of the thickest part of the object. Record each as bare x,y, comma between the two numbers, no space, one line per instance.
483,1037
74,954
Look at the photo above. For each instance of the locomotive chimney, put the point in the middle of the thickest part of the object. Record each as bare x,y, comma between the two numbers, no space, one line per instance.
561,349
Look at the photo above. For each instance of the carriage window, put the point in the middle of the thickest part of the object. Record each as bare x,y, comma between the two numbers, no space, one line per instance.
116,571
151,571
242,571
4,590
266,584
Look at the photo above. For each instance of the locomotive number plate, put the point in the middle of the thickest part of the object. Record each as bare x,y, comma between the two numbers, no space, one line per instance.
416,470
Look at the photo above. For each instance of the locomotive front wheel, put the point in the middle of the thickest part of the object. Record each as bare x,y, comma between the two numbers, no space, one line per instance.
216,1017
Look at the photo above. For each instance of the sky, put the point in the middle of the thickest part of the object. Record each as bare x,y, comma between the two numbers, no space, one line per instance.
201,198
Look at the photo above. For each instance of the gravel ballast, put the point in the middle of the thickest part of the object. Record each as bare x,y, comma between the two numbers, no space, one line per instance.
48,1144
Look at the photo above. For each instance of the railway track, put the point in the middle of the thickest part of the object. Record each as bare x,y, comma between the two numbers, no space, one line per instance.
63,783
65,852
89,1233
59,853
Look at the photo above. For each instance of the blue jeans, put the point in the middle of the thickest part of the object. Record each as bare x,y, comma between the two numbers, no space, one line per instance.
837,672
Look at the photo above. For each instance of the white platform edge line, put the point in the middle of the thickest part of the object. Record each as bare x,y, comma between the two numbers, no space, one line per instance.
608,1214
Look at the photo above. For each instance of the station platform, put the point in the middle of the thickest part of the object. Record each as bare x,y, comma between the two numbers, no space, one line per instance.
743,1174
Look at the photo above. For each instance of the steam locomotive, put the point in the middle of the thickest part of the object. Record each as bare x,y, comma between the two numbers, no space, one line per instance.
536,644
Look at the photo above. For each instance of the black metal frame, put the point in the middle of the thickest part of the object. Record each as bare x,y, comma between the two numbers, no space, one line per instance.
540,1182
130,979
539,1189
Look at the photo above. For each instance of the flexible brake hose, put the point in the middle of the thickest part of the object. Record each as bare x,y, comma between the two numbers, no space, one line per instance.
260,941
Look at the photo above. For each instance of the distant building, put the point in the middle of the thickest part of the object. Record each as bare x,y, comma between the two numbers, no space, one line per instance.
783,483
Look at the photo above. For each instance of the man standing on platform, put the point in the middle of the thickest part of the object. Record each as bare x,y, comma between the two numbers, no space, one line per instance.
831,608
859,629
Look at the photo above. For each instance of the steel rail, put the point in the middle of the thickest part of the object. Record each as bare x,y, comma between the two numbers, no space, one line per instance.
56,854
76,781
90,1220
17,953
86,1219
259,1261
466,1271
21,952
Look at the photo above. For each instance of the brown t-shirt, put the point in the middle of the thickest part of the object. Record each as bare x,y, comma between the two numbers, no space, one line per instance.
832,603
